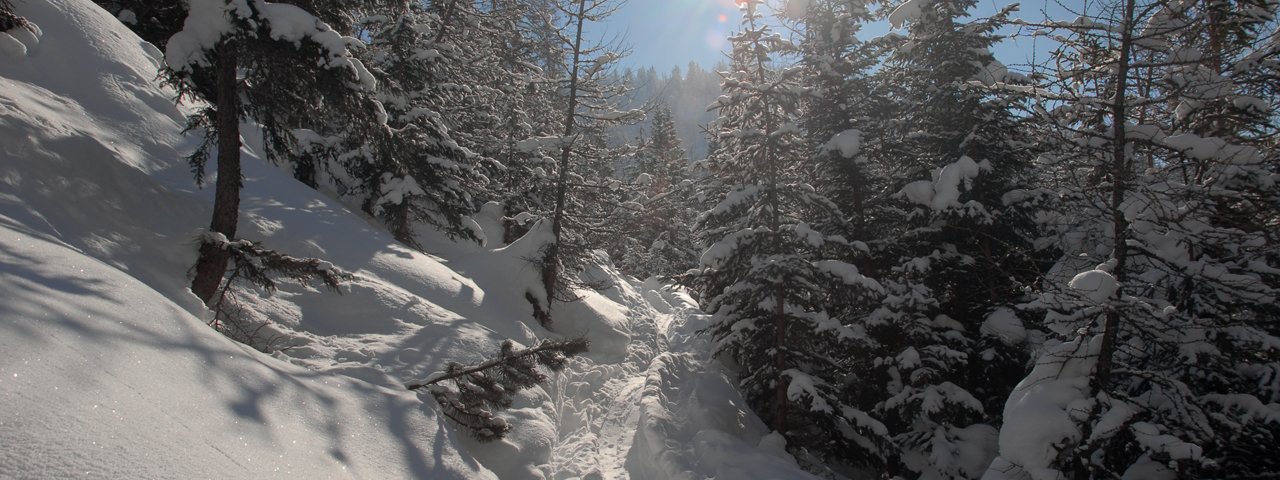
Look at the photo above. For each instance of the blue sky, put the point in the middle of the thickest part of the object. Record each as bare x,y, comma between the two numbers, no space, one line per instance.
668,33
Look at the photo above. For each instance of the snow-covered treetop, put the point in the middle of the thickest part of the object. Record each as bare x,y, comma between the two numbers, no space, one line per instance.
212,21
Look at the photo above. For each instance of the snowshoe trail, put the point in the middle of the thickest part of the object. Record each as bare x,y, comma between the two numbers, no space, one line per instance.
599,404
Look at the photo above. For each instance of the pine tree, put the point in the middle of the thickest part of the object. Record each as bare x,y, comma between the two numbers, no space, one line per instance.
770,272
479,390
415,170
952,254
245,54
656,239
1165,296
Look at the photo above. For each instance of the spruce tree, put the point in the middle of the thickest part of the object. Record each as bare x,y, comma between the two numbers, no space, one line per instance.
313,64
956,255
414,170
771,268
656,237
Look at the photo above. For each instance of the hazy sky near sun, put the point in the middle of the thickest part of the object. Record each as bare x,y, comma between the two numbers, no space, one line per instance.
669,33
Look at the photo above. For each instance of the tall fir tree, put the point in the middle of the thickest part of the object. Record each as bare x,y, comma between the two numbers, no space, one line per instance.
656,236
956,256
771,270
414,170
236,51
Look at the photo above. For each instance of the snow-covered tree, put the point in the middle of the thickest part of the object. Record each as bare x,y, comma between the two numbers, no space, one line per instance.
414,170
226,53
952,253
772,269
1165,297
656,236
587,195
478,390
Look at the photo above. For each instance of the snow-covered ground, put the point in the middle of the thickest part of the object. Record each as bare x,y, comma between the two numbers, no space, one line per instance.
107,367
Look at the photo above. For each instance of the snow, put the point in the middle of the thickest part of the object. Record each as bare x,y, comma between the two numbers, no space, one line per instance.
796,9
110,369
1149,436
803,388
17,42
1096,285
848,143
943,191
210,21
204,27
992,73
1004,324
1040,414
692,422
848,273
907,12
104,377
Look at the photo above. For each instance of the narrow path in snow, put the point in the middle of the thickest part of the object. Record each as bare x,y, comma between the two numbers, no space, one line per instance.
599,405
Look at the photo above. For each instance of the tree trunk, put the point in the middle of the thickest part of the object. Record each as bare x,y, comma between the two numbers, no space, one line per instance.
551,262
1120,172
212,264
780,363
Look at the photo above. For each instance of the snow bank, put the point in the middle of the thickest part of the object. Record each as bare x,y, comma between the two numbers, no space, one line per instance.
694,424
17,41
104,377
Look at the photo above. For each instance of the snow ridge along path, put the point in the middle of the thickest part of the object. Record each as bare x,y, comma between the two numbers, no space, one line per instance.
668,411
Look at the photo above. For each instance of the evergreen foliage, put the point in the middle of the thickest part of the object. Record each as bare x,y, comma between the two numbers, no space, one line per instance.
587,196
656,237
480,390
251,70
892,232
1165,164
415,171
955,253
770,271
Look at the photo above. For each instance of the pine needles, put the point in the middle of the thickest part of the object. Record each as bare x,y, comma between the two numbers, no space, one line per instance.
475,392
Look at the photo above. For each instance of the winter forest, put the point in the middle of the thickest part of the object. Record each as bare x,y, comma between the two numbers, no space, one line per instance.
462,239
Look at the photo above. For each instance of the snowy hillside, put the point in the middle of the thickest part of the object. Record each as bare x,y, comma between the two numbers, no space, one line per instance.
108,368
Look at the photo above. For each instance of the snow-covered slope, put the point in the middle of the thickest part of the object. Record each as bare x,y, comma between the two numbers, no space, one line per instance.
107,368
103,377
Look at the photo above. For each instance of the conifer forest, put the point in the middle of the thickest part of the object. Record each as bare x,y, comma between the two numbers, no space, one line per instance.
467,239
